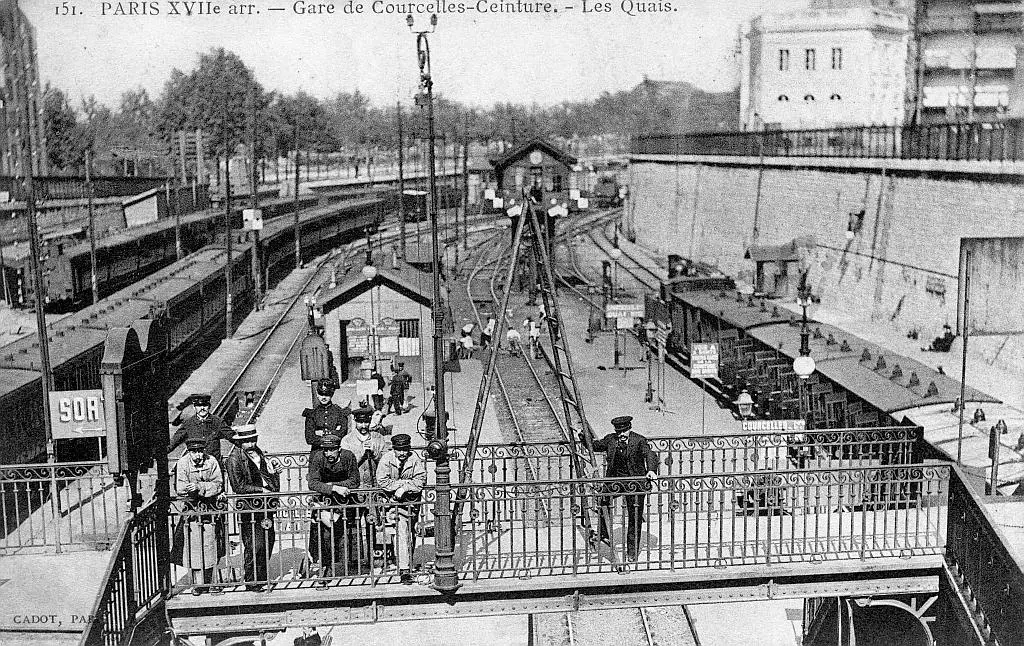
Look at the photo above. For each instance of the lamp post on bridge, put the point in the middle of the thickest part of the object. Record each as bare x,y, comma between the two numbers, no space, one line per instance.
803,365
445,576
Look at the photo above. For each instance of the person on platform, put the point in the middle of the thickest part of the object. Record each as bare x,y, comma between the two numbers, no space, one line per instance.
629,455
326,417
198,538
942,343
202,424
400,382
466,347
402,475
251,472
333,473
377,398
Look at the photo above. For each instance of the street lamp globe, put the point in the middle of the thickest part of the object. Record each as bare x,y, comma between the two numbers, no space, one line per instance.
615,254
745,404
803,366
369,272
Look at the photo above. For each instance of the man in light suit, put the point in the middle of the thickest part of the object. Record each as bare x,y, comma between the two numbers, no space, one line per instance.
629,455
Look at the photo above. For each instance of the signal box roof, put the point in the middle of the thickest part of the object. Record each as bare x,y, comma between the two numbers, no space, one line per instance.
514,155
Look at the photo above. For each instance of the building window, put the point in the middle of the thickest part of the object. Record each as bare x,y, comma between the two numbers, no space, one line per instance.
836,97
837,58
809,60
409,328
556,183
808,97
783,60
783,97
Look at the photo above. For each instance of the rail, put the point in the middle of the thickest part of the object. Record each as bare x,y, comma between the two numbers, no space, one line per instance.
989,575
992,141
678,522
134,583
87,511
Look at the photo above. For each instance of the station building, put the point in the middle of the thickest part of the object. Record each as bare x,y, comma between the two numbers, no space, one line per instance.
379,315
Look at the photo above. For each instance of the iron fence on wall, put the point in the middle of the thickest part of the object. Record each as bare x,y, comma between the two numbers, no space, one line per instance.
1001,141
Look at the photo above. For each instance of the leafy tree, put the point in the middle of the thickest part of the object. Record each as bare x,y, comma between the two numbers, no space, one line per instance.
64,137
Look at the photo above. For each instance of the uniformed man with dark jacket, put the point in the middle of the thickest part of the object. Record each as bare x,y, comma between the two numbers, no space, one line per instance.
333,535
202,424
326,417
628,455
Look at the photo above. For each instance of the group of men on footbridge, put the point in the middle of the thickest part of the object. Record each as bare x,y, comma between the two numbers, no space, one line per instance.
344,459
351,532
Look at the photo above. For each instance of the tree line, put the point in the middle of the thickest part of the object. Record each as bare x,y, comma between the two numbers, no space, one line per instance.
222,97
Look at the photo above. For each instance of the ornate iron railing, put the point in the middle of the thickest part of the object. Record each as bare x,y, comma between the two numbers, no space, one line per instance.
542,528
134,582
974,141
984,566
821,449
88,508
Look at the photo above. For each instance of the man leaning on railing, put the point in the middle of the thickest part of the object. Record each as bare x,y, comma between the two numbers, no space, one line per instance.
402,475
198,538
251,472
333,473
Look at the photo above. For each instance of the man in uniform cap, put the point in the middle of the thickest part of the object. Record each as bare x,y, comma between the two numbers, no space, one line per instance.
251,472
400,382
197,543
203,424
366,443
326,417
629,455
402,475
333,474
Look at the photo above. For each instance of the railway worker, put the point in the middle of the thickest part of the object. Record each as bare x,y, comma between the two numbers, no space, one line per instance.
534,338
514,340
378,397
326,417
366,444
629,455
402,475
251,472
466,347
400,382
333,473
487,333
202,424
198,539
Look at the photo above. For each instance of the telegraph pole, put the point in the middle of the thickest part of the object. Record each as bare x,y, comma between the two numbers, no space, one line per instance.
92,227
298,237
401,181
227,225
257,280
465,182
46,377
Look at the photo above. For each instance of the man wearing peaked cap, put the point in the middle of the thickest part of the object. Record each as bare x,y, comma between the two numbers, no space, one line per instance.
202,424
198,538
333,474
251,472
367,444
402,475
326,416
629,455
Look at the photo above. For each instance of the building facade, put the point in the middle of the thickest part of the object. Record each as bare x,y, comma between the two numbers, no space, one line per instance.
969,64
20,69
837,63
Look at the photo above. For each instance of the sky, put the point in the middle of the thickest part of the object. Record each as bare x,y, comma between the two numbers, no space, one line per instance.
477,57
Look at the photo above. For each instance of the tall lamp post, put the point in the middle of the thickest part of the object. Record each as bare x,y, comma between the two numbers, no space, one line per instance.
445,577
803,365
615,254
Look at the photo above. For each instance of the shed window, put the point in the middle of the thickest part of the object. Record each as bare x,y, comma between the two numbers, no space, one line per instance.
809,59
783,60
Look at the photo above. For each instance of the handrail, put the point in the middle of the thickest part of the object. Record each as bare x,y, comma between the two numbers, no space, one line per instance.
992,141
123,590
